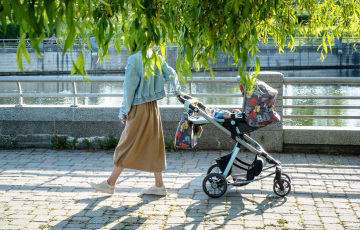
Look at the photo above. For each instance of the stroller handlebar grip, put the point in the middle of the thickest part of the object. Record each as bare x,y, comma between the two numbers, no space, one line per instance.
185,97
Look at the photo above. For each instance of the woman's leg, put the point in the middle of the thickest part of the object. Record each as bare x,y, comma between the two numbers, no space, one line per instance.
158,179
114,175
108,186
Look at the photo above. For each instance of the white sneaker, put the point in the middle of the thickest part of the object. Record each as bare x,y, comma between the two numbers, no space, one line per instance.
103,187
154,190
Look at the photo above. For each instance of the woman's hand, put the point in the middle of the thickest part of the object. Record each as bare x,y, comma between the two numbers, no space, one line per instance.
122,120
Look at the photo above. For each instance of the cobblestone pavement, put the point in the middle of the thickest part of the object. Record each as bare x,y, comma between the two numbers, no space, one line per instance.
48,189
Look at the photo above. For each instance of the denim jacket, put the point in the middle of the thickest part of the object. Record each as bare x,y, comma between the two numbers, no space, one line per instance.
137,90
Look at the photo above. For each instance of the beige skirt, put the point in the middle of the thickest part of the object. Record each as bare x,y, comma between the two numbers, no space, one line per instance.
141,145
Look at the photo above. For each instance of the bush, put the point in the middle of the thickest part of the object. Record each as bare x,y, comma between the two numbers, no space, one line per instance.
170,147
63,143
109,144
12,31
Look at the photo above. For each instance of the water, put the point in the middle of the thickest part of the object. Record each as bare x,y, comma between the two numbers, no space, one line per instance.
289,90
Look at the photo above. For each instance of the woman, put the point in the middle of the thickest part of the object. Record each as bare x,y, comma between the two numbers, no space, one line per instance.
141,145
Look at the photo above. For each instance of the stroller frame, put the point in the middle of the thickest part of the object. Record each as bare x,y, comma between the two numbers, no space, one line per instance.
281,189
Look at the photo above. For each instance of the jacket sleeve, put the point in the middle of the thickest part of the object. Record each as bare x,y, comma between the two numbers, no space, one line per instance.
131,83
171,76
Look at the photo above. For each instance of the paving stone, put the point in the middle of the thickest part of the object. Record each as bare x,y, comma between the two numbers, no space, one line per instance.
20,222
323,196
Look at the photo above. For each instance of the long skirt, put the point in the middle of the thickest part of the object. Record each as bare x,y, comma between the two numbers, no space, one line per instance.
141,145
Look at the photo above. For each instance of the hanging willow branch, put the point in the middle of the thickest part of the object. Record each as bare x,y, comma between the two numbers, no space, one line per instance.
200,28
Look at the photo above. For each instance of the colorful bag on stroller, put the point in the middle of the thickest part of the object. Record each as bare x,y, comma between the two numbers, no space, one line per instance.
259,105
187,133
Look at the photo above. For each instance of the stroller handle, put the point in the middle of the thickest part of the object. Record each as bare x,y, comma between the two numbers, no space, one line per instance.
186,98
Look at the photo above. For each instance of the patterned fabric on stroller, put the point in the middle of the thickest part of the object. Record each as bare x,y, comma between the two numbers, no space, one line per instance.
259,105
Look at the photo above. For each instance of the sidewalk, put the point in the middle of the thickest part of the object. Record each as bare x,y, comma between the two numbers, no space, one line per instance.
48,189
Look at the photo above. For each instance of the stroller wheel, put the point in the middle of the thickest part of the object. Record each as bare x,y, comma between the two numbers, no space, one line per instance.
214,169
214,185
287,188
284,177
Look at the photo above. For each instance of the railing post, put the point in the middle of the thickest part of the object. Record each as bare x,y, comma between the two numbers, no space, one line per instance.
20,95
190,90
75,95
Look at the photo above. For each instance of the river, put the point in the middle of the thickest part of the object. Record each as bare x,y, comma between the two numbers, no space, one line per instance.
289,90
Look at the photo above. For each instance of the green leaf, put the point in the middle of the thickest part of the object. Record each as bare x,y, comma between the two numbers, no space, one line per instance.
211,73
257,66
88,44
26,54
111,33
163,50
242,78
157,61
78,65
3,22
189,53
6,8
138,2
178,63
118,45
247,8
324,43
181,77
329,41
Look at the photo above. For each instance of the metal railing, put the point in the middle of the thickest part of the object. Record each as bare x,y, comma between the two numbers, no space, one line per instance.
321,80
298,41
13,43
75,94
303,41
287,80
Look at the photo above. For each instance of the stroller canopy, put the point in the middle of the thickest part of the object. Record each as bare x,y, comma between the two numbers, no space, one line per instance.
259,104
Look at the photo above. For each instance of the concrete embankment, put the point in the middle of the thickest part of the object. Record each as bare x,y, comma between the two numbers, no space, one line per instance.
304,57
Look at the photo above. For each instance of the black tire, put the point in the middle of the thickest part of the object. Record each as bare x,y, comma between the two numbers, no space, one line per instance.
284,177
214,185
213,169
287,188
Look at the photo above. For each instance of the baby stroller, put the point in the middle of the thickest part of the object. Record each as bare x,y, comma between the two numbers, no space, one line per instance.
258,111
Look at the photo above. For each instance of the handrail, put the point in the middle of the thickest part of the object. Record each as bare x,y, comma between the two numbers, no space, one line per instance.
298,41
287,80
321,80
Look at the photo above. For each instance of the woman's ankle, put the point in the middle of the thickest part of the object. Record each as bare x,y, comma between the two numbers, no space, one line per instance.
110,183
159,185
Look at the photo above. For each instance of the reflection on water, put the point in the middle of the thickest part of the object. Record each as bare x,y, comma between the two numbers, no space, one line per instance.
289,90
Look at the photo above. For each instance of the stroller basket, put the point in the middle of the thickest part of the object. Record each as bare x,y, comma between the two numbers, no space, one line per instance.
240,170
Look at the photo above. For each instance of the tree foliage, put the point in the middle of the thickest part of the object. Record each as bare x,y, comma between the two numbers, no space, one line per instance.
12,32
200,28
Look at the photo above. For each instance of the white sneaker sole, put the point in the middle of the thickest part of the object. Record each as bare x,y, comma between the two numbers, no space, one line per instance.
94,186
158,193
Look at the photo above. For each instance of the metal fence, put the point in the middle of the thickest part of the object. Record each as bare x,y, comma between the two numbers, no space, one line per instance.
298,41
322,80
303,41
287,80
13,43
